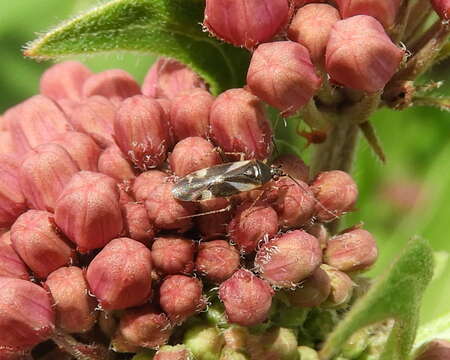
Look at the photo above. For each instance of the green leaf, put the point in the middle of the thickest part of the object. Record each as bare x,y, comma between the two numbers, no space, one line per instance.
166,27
396,295
436,329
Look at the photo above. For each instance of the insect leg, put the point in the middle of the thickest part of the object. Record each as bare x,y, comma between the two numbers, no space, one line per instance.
228,208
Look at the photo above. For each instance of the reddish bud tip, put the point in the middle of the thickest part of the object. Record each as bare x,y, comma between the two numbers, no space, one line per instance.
246,23
239,124
281,74
173,255
201,155
142,132
336,193
442,7
114,84
313,291
311,27
178,352
36,240
26,315
74,308
217,260
293,166
112,162
341,284
289,258
434,350
88,210
181,296
252,224
246,297
6,143
360,42
11,265
120,275
147,182
64,80
137,223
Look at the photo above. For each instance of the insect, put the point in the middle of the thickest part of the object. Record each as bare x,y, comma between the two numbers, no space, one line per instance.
225,180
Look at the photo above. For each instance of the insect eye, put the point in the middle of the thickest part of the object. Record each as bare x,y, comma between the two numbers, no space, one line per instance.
248,172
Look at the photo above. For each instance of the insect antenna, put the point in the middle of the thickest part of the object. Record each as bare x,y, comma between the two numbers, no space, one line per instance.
227,208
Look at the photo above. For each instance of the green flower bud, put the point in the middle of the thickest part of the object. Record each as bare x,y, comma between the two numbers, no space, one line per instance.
216,316
277,343
236,337
230,354
320,323
356,345
307,353
204,341
290,317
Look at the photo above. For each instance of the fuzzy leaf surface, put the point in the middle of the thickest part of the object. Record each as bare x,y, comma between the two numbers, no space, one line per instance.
396,295
165,27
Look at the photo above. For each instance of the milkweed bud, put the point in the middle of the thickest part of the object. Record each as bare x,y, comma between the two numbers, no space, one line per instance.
319,231
137,223
64,80
26,316
44,173
189,114
289,258
230,354
147,182
81,147
201,155
181,296
88,211
120,275
246,23
217,260
351,251
434,350
6,143
360,42
142,327
74,308
38,243
293,166
239,124
385,11
168,78
177,352
142,132
313,291
11,265
336,193
281,74
277,343
215,225
246,297
341,286
112,162
205,342
442,7
95,117
173,255
12,201
252,224
114,84
307,353
311,27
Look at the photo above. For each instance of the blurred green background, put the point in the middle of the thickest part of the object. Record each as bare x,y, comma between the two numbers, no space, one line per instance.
408,196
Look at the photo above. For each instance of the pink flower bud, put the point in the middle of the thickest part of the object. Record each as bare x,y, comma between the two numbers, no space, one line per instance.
120,275
246,297
112,162
434,350
246,23
281,74
239,124
26,316
384,11
35,121
214,225
75,309
442,7
142,132
12,201
113,84
44,173
217,260
95,117
137,222
64,80
38,243
300,3
336,193
147,182
360,42
6,143
11,265
166,212
178,352
353,250
168,78
311,27
173,255
313,291
201,155
293,166
294,204
289,258
81,147
189,114
88,210
143,327
251,224
181,296
342,286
